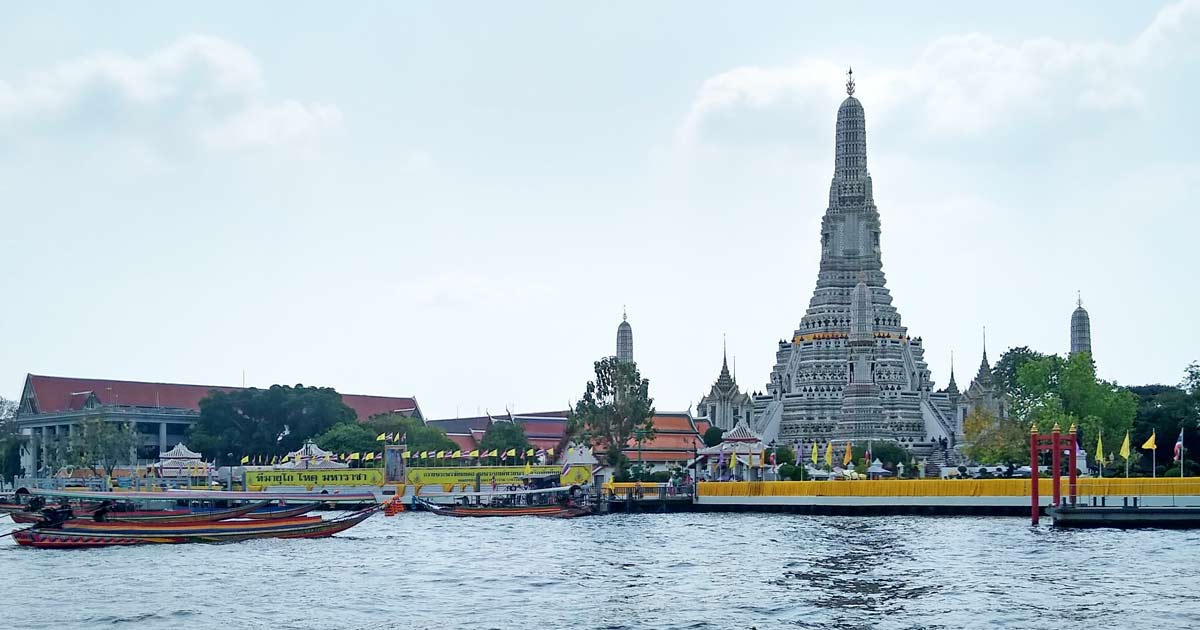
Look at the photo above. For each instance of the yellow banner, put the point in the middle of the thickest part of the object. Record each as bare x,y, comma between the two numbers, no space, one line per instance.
259,479
504,475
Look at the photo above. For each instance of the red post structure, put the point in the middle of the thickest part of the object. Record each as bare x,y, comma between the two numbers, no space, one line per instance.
1034,451
1055,444
1072,474
1056,463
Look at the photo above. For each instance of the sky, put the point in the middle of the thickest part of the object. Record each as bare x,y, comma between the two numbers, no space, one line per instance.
457,201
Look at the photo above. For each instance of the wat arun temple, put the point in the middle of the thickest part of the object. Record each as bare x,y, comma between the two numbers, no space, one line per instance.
852,371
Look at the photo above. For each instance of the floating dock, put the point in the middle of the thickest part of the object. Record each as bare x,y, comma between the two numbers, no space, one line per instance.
997,497
1086,516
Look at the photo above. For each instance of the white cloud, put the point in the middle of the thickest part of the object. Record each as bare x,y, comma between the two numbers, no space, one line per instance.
962,84
199,92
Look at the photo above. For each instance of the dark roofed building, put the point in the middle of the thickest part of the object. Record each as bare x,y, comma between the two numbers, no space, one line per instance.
161,412
545,429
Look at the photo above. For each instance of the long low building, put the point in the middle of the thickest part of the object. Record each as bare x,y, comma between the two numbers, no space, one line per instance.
162,413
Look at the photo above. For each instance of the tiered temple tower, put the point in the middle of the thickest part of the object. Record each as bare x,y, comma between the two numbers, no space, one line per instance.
1081,329
624,340
851,371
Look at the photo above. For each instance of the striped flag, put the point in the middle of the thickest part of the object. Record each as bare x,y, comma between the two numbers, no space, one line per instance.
1179,446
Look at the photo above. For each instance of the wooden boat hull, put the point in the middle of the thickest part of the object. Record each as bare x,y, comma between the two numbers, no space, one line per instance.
146,515
82,534
189,517
286,512
484,511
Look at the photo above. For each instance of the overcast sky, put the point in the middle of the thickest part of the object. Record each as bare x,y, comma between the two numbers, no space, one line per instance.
455,200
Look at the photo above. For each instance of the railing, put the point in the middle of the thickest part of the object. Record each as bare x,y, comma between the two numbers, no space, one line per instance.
1085,488
647,491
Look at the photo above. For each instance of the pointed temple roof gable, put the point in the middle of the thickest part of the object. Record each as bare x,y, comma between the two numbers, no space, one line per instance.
180,452
739,433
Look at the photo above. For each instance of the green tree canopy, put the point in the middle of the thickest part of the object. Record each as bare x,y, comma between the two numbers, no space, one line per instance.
991,440
503,435
615,408
712,436
418,436
10,441
1004,372
271,421
101,445
784,455
348,437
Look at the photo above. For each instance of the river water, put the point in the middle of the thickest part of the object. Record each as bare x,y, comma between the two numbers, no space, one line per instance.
623,571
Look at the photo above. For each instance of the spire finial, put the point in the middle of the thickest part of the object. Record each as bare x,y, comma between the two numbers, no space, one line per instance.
850,81
951,364
624,314
1078,298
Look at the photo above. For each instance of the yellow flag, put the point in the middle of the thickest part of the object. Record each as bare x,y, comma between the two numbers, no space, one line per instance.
381,437
1124,452
370,456
814,453
528,452
457,454
245,459
1151,444
549,452
829,454
355,456
528,468
475,453
1100,448
848,457
512,452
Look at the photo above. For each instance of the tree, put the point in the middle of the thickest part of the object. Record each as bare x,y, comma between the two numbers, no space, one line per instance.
1066,392
271,421
1166,410
10,441
101,445
348,437
712,436
417,436
615,408
503,435
991,440
784,455
1004,373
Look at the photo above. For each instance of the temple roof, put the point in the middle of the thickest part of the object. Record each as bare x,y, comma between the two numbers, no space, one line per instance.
57,394
180,452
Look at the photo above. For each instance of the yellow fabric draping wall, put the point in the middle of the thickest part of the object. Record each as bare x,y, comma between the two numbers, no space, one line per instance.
1172,486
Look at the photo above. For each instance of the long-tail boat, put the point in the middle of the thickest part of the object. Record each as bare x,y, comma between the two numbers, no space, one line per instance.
559,511
554,502
161,516
282,512
79,533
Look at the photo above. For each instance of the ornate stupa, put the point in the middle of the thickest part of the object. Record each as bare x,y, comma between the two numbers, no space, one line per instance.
1081,329
851,371
624,340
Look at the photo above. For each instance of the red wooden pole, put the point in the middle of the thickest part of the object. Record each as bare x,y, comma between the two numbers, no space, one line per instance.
1033,475
1072,475
1056,463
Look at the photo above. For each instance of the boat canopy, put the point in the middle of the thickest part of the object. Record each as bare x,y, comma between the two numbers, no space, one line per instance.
212,495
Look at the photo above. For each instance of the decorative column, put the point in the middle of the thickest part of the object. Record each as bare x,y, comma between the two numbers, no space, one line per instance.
1033,475
1056,462
162,437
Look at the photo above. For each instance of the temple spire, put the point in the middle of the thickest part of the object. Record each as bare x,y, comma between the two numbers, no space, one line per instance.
850,81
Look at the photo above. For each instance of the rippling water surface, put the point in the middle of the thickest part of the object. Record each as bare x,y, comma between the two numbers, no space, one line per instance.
623,571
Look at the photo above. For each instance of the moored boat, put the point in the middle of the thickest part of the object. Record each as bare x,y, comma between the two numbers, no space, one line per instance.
79,533
558,511
558,502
